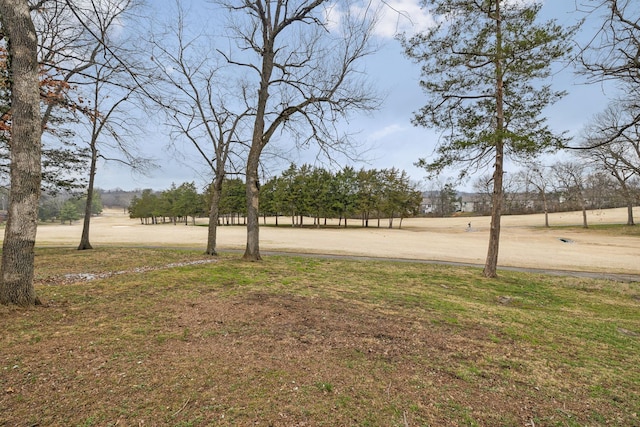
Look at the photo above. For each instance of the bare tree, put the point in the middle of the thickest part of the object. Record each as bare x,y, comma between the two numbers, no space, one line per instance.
612,55
620,156
540,177
81,44
197,103
570,177
16,278
107,119
106,83
305,72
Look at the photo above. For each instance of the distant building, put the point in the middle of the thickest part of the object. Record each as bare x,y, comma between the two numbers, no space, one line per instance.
435,203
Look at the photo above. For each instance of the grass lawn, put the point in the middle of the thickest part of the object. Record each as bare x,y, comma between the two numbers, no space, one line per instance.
613,230
133,337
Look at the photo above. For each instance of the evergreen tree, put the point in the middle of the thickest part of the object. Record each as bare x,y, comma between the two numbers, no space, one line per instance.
483,68
69,212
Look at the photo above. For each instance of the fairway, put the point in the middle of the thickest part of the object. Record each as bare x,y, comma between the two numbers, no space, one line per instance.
524,240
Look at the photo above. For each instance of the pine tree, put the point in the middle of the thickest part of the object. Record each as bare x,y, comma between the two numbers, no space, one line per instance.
483,70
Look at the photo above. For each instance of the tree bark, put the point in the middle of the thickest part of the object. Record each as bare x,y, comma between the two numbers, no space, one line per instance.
252,251
16,277
546,210
214,215
491,264
84,239
258,141
629,199
630,220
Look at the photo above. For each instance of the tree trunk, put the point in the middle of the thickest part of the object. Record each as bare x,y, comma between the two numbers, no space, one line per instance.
214,214
629,199
491,264
546,210
258,142
252,251
16,285
84,239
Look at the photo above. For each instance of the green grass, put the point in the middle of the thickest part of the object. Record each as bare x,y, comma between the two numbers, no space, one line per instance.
609,229
294,340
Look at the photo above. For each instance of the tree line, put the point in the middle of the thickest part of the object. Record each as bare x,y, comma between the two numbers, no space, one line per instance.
66,207
573,185
297,193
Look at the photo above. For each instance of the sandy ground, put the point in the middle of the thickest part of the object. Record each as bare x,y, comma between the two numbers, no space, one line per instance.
524,240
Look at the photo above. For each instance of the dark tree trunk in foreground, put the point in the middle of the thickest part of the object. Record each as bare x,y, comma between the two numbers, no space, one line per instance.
16,285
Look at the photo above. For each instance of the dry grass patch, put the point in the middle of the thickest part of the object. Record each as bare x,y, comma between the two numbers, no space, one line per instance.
303,341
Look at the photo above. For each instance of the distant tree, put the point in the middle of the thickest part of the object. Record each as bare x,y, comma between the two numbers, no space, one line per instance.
399,196
301,193
612,142
570,177
344,191
49,207
69,212
320,186
198,108
612,55
540,178
189,202
167,201
288,188
369,194
601,189
268,204
145,207
447,196
483,66
232,200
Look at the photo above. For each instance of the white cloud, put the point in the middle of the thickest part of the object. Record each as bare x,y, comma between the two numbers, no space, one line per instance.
398,16
386,131
392,16
407,16
522,3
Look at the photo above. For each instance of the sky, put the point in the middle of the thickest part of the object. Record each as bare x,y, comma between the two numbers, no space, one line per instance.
387,137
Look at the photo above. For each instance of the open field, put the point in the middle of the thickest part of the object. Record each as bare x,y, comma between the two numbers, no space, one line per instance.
524,241
135,336
159,337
